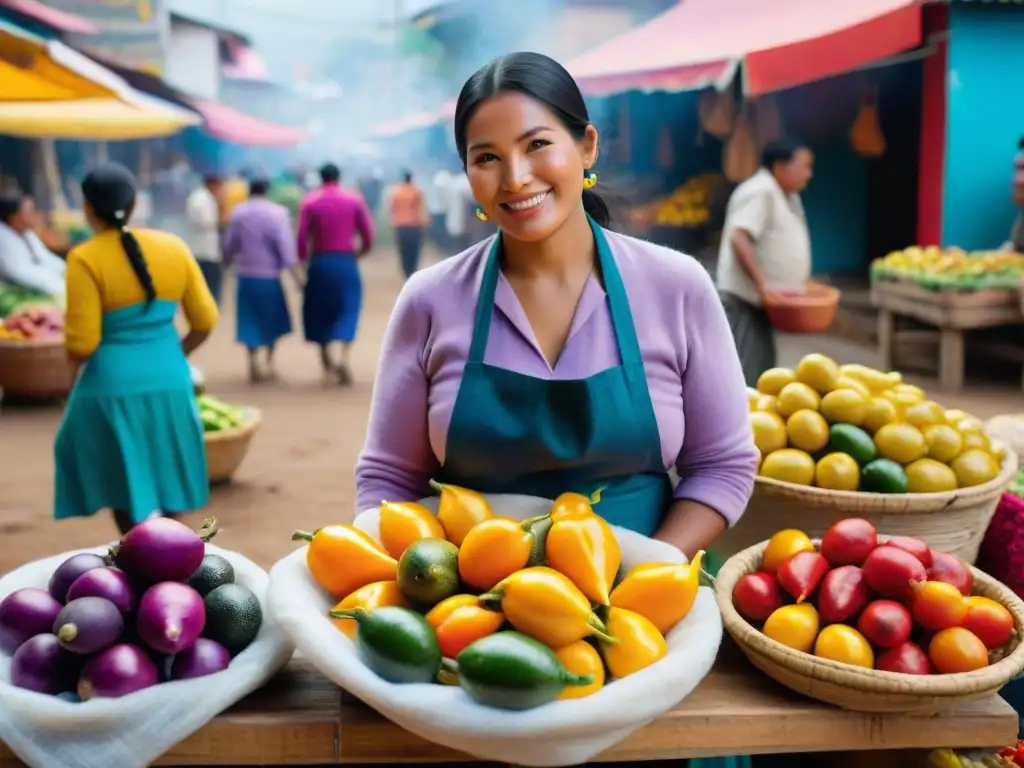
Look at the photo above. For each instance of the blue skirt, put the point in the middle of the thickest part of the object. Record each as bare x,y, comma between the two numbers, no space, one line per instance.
261,312
333,298
131,438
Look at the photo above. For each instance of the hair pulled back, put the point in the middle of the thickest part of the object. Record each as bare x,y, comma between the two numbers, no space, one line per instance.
10,203
110,190
542,79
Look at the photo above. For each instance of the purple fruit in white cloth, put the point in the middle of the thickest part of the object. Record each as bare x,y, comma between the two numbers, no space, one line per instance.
25,613
205,657
109,583
88,625
171,617
70,570
119,670
162,549
43,666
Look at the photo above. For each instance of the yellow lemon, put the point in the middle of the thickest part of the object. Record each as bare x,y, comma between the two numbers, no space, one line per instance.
930,476
998,450
969,424
847,382
773,380
943,442
845,406
752,397
910,389
902,400
782,546
844,644
818,372
977,440
900,442
790,466
807,430
797,397
794,626
879,413
954,416
769,431
873,379
894,378
974,467
837,472
924,413
768,404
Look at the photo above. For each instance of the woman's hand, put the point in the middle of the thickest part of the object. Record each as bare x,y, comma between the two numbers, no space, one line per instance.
690,527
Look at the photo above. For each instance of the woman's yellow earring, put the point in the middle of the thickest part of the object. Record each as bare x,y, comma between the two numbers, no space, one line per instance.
480,214
589,180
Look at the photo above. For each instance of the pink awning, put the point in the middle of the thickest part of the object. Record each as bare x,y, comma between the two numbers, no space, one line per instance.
780,44
54,18
413,122
229,124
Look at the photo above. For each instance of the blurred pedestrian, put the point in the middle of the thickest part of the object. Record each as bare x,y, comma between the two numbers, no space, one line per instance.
456,222
258,245
335,230
409,219
25,261
131,440
202,212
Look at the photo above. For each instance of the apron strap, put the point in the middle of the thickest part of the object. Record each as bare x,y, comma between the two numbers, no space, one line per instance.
485,304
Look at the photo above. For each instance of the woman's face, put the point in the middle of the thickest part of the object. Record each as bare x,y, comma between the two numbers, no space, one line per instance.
525,168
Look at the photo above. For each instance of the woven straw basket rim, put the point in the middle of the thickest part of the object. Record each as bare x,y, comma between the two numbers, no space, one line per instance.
890,503
18,344
252,422
869,681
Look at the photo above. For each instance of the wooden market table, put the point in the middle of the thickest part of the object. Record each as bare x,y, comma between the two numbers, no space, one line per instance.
950,313
300,718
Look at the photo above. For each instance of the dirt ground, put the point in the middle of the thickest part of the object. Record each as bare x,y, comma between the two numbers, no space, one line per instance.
298,473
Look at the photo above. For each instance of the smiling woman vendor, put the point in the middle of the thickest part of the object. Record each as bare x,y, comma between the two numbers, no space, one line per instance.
558,355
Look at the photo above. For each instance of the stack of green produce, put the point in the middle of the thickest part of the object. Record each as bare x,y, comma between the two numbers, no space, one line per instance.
951,269
217,415
14,298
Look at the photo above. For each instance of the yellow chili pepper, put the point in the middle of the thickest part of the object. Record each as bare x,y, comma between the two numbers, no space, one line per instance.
492,550
581,658
638,643
573,504
583,547
369,598
403,522
441,612
342,558
547,606
660,592
460,510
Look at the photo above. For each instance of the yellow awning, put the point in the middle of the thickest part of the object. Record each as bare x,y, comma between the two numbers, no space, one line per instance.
35,69
95,119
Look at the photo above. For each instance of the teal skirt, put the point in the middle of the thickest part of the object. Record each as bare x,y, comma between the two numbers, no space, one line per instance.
131,438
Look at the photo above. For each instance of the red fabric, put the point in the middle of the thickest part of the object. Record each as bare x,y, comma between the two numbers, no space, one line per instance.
54,18
1002,550
782,43
229,124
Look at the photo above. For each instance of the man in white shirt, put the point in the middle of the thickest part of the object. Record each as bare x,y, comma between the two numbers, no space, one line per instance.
24,260
202,211
437,203
460,199
766,247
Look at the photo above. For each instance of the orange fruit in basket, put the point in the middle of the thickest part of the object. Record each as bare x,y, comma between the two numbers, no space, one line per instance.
841,643
794,626
990,621
581,658
956,650
782,546
936,605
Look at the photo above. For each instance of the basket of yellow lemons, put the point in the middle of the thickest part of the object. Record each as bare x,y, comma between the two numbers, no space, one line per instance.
839,441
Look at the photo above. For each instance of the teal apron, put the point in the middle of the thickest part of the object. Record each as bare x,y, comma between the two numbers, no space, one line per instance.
513,433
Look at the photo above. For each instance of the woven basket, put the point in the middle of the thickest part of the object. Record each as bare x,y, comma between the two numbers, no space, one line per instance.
226,449
35,369
856,688
809,312
953,521
1009,428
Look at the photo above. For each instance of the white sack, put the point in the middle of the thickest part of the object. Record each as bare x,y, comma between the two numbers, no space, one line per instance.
132,731
558,734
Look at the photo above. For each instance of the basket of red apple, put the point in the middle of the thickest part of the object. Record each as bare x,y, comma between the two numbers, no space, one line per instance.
871,623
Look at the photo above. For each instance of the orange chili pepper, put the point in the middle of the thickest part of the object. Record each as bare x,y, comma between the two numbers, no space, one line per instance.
403,522
369,598
341,559
464,625
497,548
661,592
638,643
581,659
573,504
547,606
583,547
460,510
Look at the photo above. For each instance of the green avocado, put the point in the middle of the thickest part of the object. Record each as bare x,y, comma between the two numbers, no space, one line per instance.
883,476
854,441
396,643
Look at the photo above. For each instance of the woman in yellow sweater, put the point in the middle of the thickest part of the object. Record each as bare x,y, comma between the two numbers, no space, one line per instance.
131,440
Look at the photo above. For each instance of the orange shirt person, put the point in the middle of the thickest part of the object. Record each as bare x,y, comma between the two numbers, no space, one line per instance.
409,218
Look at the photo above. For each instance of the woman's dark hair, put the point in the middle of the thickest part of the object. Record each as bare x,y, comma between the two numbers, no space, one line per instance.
10,203
110,190
258,187
330,173
780,151
542,79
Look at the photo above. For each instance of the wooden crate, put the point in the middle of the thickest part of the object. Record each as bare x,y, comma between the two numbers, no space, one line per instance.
958,310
